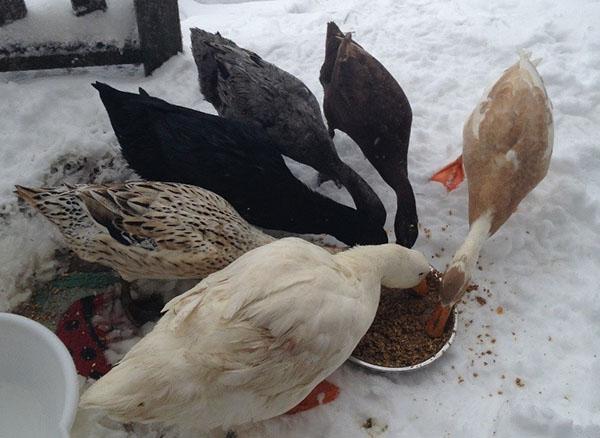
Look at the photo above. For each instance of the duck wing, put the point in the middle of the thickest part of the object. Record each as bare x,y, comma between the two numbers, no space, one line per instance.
243,86
162,216
507,142
159,139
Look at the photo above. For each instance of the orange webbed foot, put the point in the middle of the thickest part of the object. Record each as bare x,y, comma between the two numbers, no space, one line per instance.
451,175
324,392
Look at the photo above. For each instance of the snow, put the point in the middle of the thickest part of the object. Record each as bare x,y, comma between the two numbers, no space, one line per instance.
541,268
51,21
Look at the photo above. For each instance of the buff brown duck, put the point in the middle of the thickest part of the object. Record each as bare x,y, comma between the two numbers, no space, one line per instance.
507,145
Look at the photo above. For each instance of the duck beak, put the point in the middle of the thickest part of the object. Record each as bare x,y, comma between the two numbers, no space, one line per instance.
453,287
422,288
437,322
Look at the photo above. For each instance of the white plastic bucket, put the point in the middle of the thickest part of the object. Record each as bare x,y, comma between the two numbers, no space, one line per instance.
38,381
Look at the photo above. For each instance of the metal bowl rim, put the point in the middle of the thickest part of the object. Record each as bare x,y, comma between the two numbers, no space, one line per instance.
417,366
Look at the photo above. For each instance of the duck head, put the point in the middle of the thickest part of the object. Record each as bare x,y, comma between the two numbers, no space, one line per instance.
457,276
406,222
405,268
454,284
407,231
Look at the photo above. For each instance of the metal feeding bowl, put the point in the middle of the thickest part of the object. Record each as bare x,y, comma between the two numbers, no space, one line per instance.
436,356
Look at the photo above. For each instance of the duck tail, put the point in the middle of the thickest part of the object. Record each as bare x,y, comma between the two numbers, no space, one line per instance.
103,88
139,387
38,197
29,195
114,102
525,55
205,56
52,203
201,36
133,117
120,394
332,43
111,97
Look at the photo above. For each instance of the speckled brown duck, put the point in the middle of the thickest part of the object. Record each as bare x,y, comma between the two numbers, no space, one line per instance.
147,230
363,100
243,86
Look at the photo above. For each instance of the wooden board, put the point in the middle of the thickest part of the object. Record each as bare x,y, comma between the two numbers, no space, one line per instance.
60,56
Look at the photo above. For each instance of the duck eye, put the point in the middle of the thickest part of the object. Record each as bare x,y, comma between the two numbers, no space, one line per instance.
421,273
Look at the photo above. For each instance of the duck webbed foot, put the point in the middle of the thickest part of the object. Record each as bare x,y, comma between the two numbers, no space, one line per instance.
324,392
451,175
142,310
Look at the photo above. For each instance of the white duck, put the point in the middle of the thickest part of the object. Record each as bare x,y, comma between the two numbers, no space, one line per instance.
250,342
507,145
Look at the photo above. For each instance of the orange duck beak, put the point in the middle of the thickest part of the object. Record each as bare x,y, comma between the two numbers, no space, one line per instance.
454,285
422,289
437,322
451,175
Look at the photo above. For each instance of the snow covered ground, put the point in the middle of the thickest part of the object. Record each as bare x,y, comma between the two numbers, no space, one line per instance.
51,21
539,323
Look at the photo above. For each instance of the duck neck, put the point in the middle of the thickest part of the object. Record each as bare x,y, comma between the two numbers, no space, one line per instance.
260,238
340,221
364,197
458,274
388,155
374,261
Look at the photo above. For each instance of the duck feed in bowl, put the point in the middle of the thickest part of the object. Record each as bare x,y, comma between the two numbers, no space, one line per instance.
397,341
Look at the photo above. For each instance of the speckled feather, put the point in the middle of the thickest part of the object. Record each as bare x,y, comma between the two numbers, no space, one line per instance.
147,229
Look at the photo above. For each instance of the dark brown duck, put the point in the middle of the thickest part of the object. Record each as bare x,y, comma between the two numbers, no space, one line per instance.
363,100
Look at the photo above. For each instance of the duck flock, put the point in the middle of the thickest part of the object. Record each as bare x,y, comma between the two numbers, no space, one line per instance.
271,318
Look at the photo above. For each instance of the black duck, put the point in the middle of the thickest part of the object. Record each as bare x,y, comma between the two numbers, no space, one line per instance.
165,142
